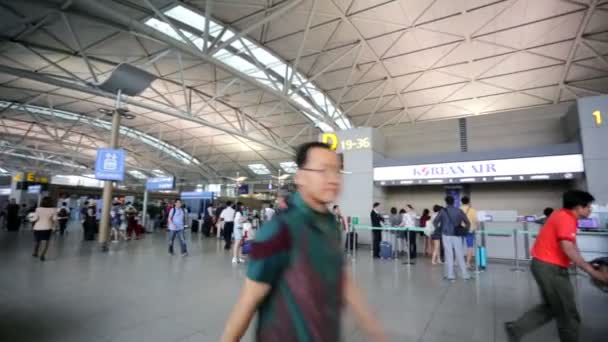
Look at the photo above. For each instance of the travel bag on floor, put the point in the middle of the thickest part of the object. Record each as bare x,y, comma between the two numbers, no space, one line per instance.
246,249
480,257
386,250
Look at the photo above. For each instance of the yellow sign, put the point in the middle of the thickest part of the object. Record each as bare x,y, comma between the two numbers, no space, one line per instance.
598,117
330,139
30,177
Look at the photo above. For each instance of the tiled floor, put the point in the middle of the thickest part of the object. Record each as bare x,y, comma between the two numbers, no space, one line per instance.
139,293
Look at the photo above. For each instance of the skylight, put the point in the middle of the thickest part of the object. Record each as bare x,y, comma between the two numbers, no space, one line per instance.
129,132
137,174
158,173
289,167
248,57
259,169
3,170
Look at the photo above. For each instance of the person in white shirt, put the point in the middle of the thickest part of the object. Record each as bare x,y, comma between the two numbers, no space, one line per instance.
44,219
410,222
227,217
268,213
239,220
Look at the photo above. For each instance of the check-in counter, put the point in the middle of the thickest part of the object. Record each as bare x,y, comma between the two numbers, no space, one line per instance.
499,240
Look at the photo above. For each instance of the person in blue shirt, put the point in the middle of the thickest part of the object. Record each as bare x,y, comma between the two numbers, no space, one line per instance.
176,222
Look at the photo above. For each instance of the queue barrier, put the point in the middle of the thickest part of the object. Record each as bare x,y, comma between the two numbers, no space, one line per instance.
479,233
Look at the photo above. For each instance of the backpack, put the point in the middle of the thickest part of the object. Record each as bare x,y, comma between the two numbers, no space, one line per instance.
62,213
173,212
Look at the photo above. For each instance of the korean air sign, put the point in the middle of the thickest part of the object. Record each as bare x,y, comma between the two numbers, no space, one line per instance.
461,170
489,168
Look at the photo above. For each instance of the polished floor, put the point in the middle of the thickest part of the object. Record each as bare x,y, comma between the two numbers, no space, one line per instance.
137,292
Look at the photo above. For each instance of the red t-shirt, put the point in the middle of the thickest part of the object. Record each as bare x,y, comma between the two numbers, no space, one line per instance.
560,226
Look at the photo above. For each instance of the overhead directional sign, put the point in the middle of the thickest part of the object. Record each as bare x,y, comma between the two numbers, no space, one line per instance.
110,164
160,183
34,189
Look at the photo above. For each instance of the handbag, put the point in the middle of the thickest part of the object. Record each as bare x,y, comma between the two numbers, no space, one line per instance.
459,230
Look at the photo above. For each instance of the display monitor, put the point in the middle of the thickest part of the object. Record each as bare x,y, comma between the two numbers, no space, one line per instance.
530,218
588,224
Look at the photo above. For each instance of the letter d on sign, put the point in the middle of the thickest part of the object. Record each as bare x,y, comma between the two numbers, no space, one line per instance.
330,139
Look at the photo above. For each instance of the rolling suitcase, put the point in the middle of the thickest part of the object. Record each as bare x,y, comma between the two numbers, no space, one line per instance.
246,249
480,257
386,248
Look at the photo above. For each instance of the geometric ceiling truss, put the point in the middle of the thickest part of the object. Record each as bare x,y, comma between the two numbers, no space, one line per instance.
381,63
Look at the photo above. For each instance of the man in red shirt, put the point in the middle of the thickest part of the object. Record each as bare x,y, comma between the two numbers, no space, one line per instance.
554,250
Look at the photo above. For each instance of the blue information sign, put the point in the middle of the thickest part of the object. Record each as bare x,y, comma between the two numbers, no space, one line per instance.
160,183
244,189
110,164
197,195
34,189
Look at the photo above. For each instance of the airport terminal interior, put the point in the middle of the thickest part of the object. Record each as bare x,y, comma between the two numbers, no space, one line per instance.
160,159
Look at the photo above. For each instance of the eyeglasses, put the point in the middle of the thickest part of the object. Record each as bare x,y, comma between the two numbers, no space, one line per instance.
326,172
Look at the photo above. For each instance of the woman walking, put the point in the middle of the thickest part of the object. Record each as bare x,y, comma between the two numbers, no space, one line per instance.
239,220
44,221
435,237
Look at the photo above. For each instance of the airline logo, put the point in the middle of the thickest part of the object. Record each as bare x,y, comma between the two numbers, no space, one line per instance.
455,170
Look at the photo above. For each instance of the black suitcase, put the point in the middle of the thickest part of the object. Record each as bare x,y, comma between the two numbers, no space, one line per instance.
207,226
194,227
352,239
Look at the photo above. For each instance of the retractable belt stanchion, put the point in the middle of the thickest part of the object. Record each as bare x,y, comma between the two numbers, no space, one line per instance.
516,256
409,244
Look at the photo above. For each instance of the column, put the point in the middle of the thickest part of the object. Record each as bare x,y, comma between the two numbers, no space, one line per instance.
359,147
593,119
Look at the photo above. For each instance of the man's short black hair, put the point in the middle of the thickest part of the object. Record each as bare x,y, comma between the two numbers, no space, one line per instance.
302,153
376,204
449,200
465,200
575,198
548,211
228,203
65,204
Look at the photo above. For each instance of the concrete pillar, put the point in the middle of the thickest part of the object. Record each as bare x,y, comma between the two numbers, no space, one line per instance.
593,119
359,148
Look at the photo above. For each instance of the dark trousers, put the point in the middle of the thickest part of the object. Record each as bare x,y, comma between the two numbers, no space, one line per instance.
63,224
376,237
411,238
228,228
557,302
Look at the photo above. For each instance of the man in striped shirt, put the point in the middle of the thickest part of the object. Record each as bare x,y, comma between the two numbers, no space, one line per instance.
296,279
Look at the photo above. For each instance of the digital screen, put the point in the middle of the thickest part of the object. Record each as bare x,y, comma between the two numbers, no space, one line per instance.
588,223
530,218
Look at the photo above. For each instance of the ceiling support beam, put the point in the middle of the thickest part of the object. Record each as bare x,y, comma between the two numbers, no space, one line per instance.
278,12
171,112
579,34
79,45
96,11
